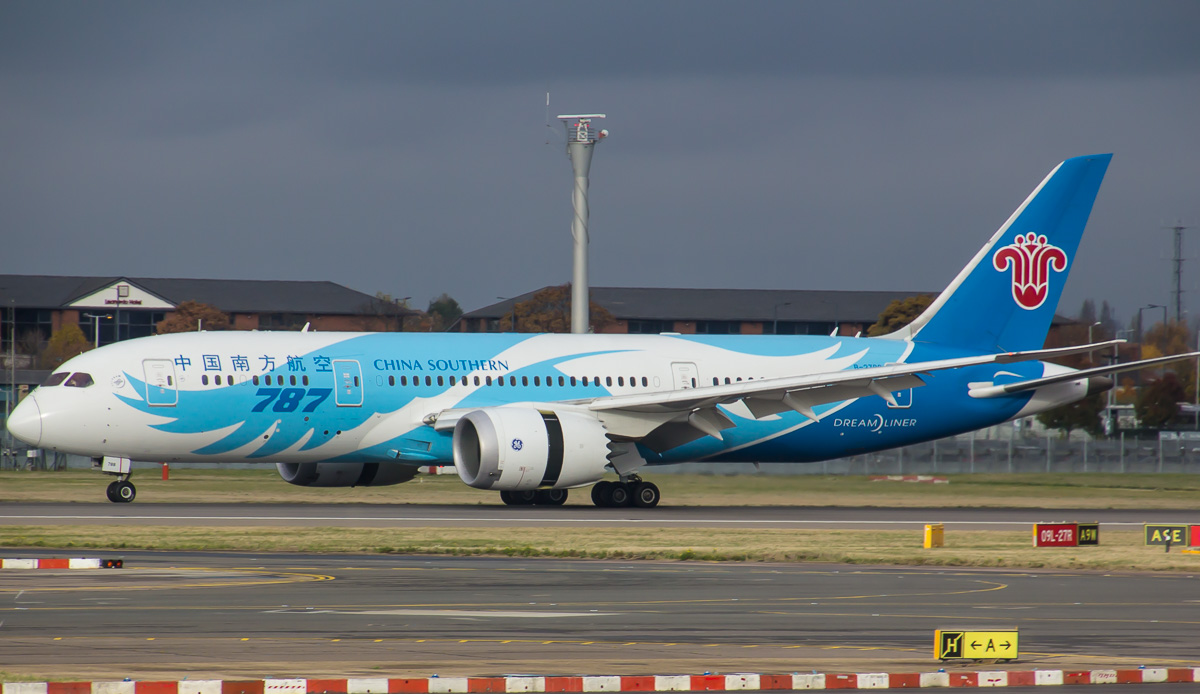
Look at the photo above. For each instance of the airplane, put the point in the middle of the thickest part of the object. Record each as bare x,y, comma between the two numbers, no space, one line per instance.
535,415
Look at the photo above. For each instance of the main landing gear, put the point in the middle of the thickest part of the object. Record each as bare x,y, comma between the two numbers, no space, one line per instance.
529,497
121,492
631,491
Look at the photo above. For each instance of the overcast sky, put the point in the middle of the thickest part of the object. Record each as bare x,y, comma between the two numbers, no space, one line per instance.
402,147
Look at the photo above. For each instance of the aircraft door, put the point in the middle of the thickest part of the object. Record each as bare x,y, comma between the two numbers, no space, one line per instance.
686,375
348,376
161,388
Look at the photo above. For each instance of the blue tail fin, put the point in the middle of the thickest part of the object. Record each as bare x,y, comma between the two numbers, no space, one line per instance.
1005,298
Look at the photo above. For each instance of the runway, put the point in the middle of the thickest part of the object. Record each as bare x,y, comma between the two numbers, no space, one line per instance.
434,515
237,615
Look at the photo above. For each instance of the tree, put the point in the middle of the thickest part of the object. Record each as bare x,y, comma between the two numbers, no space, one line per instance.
899,313
549,311
1108,319
444,311
1086,414
63,345
190,316
1158,403
383,314
1087,312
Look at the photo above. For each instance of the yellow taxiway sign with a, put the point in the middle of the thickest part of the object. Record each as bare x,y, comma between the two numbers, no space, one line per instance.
975,645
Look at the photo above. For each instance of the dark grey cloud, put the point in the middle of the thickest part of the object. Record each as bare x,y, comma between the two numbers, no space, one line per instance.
402,147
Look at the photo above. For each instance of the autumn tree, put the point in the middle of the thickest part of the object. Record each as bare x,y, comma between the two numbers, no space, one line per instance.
63,345
1165,339
190,316
1086,414
1158,402
549,311
443,311
899,313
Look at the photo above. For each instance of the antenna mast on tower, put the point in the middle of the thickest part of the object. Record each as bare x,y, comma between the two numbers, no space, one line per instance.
1177,279
581,137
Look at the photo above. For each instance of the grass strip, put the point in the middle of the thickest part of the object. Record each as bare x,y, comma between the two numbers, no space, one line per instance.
1048,491
1121,550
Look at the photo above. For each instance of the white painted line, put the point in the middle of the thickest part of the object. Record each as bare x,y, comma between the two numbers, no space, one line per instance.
547,520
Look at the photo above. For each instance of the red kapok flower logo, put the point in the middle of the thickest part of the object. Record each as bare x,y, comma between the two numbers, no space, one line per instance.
1031,260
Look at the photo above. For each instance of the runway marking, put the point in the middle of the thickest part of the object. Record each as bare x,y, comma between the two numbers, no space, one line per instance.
1103,620
532,614
523,519
281,578
749,602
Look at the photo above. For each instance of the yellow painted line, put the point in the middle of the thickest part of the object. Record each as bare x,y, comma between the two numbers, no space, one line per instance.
281,578
977,618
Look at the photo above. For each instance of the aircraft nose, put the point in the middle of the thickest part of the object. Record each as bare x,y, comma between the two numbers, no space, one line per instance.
25,422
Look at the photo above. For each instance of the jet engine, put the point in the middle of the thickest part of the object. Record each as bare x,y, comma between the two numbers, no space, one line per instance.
345,474
518,448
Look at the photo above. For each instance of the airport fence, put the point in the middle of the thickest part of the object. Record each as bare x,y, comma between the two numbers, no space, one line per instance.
958,455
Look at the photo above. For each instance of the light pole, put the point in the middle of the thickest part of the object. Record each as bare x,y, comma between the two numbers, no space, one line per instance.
96,318
1090,330
1141,332
775,317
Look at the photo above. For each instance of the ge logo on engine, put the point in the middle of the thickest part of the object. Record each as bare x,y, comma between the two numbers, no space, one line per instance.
517,445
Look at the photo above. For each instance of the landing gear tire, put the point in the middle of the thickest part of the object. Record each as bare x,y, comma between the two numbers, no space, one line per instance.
508,499
646,495
121,492
550,497
600,492
619,495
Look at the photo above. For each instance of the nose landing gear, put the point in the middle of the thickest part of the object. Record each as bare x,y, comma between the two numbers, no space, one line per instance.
122,490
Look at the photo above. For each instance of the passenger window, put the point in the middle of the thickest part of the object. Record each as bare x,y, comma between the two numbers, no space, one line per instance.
572,380
714,380
512,381
726,380
487,380
254,380
645,382
79,380
304,380
204,380
537,380
607,381
453,380
441,381
560,381
428,380
56,379
391,381
585,380
500,381
291,379
620,380
524,380
476,380
404,380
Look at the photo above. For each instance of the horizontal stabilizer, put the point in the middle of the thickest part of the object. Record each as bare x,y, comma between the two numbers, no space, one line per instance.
1021,386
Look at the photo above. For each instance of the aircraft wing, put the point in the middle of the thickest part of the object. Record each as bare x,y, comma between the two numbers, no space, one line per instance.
637,416
994,391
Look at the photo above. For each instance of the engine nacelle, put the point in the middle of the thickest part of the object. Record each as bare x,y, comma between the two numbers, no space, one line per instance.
517,448
345,474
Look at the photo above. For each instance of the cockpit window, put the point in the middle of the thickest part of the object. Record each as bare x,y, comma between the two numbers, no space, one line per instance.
56,379
79,380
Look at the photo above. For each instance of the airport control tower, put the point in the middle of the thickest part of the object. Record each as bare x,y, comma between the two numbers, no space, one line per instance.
581,137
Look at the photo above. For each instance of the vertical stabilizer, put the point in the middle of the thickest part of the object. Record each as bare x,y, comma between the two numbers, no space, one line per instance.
1005,298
